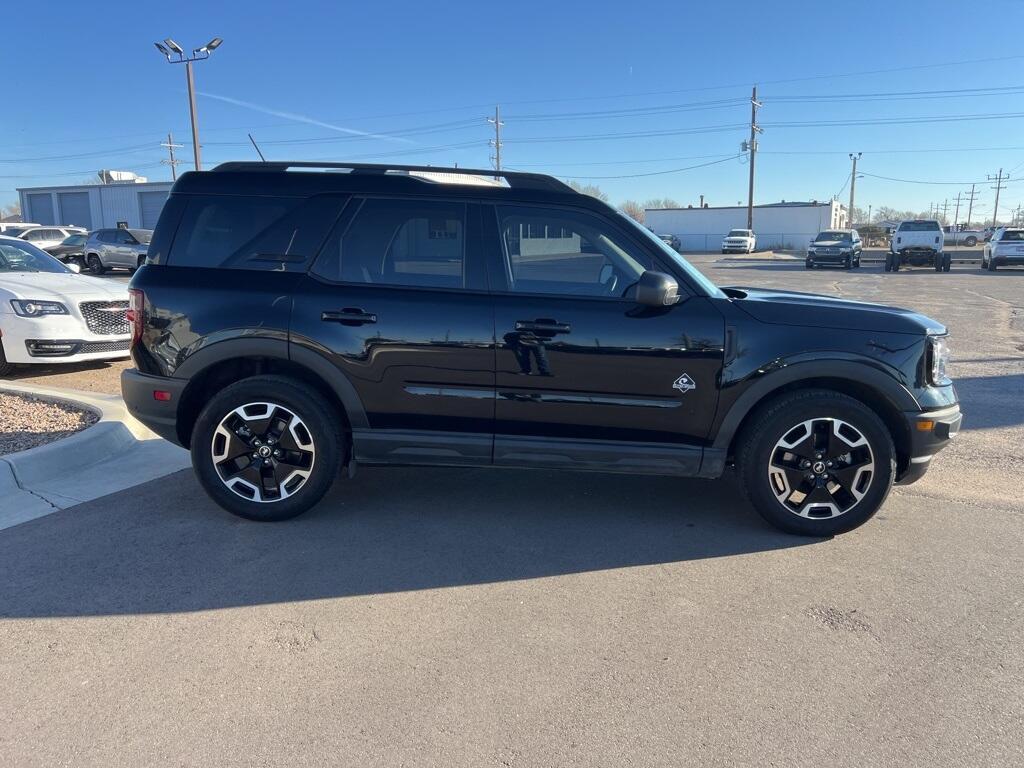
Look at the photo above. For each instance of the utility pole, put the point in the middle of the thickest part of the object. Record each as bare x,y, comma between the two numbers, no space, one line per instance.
496,141
998,179
171,146
752,148
853,182
970,204
945,209
869,214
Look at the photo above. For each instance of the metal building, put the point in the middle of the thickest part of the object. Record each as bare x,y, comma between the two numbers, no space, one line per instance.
95,205
782,226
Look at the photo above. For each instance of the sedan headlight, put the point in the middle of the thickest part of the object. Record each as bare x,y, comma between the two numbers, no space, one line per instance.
939,361
37,308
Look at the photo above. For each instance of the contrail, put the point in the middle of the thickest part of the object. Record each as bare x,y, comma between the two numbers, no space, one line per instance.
303,118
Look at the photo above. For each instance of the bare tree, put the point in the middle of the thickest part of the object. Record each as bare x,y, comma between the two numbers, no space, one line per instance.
661,202
7,211
633,209
589,189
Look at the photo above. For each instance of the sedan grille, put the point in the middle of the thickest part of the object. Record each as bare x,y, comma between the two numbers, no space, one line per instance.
88,347
107,318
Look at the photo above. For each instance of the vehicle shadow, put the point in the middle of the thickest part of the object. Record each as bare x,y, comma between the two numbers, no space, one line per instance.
990,402
164,547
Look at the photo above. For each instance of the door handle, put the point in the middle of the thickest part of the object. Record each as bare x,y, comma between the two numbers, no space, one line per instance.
349,316
543,326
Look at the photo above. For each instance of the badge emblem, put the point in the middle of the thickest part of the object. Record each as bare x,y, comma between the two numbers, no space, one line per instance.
684,383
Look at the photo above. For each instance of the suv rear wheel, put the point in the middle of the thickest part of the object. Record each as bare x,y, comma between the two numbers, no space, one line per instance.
267,448
817,463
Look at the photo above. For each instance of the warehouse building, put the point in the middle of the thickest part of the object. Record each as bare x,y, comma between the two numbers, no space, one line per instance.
93,206
780,226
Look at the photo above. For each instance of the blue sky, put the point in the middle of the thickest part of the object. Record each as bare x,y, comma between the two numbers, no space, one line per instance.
412,82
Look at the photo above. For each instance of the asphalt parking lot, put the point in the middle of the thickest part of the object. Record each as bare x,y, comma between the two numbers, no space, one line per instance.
522,618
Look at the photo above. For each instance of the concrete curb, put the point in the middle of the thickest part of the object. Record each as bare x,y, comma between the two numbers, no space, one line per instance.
114,454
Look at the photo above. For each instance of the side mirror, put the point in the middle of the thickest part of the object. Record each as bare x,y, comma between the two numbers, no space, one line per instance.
74,267
656,289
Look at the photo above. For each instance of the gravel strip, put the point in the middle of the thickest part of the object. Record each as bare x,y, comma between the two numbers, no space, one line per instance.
27,421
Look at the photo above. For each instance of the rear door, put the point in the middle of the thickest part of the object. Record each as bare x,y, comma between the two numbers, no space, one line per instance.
584,375
397,302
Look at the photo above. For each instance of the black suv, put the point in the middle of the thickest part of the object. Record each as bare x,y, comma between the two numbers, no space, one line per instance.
291,320
835,248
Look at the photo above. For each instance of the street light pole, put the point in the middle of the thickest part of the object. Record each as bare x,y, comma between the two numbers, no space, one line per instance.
168,48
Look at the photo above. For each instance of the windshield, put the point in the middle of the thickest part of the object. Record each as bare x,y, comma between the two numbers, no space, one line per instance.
1012,235
919,226
142,235
25,257
691,272
739,233
824,237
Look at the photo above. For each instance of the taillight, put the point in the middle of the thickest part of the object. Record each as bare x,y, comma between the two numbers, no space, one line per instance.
136,313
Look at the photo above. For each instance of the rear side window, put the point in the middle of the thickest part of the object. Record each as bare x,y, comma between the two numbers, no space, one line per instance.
414,243
260,233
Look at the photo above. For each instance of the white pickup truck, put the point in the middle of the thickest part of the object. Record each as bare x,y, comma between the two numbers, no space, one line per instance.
917,243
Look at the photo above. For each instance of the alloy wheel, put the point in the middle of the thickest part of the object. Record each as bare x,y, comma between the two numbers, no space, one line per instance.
263,452
821,468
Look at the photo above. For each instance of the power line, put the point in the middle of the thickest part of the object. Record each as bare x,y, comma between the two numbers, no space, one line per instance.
662,173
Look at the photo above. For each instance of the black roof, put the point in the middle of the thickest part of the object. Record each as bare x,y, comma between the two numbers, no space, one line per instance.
301,179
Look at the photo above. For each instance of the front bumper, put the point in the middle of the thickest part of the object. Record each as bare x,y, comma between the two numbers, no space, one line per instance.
161,416
57,339
829,259
930,432
735,247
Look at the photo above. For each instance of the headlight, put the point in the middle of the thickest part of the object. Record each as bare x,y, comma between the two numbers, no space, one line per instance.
811,251
36,308
939,361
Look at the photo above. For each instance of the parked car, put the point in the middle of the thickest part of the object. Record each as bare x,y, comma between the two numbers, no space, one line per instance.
298,322
15,228
917,243
116,249
739,241
51,314
835,248
671,241
44,237
955,236
1006,249
71,250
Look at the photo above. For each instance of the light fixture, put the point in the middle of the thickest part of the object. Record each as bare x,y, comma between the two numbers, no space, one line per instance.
162,48
174,46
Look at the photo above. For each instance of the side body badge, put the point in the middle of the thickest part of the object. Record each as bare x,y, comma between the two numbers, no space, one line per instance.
684,383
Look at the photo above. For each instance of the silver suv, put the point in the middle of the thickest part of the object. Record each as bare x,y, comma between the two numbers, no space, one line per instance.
116,249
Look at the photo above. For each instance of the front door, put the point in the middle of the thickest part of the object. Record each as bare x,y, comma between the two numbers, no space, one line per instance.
584,375
397,301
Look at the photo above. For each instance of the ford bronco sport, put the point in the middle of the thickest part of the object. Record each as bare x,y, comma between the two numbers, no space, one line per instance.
292,320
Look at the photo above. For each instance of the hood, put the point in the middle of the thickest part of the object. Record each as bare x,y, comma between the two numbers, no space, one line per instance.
64,287
807,309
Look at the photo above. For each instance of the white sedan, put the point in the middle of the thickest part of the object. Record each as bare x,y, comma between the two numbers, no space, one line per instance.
51,314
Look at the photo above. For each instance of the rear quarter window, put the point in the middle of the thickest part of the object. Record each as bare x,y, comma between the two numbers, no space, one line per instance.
279,234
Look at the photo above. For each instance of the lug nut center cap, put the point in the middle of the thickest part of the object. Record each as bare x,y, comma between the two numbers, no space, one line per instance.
264,451
819,467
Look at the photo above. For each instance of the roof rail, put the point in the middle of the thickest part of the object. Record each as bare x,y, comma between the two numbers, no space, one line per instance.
515,179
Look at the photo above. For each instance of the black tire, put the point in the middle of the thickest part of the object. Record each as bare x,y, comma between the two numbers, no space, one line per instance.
808,265
848,264
782,417
323,426
970,242
5,367
947,263
991,264
95,265
938,265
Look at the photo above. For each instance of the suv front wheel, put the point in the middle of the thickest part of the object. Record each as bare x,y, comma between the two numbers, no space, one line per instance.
267,448
816,463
